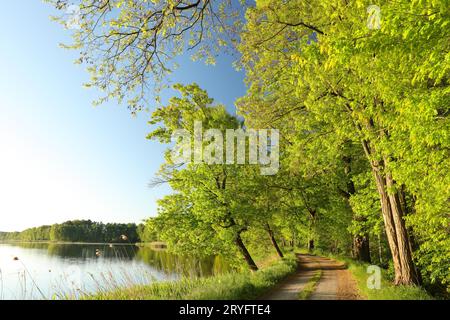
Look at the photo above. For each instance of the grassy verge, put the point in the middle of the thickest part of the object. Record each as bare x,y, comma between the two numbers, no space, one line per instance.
387,290
232,286
310,287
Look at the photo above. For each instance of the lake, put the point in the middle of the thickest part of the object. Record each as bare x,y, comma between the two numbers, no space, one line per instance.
55,271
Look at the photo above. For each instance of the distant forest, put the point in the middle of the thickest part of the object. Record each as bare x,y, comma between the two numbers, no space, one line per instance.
82,231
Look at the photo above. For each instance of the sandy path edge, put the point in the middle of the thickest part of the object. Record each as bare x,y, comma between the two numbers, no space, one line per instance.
336,283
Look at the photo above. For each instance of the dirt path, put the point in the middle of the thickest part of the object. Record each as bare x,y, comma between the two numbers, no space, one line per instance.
336,282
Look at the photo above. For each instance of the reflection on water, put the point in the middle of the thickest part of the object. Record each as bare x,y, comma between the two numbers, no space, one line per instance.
45,270
183,265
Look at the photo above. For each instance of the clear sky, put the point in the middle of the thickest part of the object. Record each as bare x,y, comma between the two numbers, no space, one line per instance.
60,157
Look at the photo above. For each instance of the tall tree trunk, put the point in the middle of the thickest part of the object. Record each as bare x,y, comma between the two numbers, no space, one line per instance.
388,223
361,248
248,258
274,241
396,232
410,274
409,208
312,222
399,244
311,245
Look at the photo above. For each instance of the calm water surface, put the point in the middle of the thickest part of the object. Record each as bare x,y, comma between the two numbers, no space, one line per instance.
53,271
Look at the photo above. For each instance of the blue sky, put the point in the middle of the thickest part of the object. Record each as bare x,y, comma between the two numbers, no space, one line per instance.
60,157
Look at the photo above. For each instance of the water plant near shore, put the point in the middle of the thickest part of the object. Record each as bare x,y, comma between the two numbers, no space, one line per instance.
231,286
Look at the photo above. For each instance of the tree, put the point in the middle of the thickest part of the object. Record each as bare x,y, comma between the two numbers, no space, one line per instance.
88,231
339,72
147,233
215,190
363,114
183,231
126,44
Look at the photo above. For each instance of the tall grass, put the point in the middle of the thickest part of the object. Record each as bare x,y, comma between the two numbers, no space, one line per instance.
126,284
231,286
68,285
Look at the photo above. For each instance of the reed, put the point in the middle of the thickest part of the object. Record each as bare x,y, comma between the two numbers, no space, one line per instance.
230,286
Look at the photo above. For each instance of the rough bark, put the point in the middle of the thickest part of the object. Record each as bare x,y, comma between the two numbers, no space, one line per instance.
388,223
399,244
409,272
274,241
243,249
396,232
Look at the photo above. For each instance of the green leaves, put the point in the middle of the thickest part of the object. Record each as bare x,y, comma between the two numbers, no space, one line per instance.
352,103
385,89
129,46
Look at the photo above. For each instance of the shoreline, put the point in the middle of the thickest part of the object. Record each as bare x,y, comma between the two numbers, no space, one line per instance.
137,244
242,285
